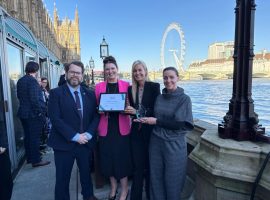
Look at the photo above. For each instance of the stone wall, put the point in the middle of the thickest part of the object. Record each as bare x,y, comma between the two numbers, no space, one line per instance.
223,169
36,16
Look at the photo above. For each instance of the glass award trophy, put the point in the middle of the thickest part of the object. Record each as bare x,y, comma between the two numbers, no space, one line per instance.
140,112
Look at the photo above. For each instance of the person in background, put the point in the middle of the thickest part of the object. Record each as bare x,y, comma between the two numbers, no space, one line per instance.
62,78
72,111
45,88
6,183
39,80
168,151
31,112
142,96
113,130
45,84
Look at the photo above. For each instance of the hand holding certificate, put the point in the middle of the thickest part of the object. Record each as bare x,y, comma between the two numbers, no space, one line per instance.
112,102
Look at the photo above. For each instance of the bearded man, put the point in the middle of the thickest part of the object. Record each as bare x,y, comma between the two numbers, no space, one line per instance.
72,110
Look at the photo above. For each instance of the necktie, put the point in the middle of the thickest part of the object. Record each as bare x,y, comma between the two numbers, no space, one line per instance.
79,110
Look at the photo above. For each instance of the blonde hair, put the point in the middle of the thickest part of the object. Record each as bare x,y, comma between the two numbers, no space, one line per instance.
134,82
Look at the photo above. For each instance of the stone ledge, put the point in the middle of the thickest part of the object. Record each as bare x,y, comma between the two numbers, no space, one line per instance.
194,137
229,161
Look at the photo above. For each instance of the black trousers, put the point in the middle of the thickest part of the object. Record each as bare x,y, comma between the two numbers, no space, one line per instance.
32,131
64,161
6,183
140,158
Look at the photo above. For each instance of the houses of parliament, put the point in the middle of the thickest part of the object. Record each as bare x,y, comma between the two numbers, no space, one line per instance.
61,36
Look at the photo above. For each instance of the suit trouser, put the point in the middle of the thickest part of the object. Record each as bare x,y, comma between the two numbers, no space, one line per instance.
167,168
32,131
6,183
140,158
64,161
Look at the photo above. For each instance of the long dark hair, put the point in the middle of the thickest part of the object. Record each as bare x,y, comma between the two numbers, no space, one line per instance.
48,84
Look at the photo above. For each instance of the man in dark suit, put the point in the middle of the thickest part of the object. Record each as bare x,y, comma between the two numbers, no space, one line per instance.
31,113
72,110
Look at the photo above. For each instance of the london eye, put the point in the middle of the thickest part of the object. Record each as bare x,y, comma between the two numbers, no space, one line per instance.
178,55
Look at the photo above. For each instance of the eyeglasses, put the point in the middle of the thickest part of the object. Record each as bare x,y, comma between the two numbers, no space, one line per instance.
44,82
74,73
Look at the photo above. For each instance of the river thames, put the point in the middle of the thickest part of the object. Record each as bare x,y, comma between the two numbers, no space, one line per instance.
210,99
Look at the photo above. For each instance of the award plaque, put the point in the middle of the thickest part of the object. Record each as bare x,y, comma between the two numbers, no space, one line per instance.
112,102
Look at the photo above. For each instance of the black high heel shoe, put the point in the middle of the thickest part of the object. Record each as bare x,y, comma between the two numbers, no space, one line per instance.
113,197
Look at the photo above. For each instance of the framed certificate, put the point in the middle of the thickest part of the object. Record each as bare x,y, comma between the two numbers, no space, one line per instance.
112,102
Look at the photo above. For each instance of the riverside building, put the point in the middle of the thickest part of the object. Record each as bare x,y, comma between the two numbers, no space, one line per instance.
27,33
219,64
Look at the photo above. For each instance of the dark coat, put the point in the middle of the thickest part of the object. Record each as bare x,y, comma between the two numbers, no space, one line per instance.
66,120
62,80
3,139
3,133
30,97
150,92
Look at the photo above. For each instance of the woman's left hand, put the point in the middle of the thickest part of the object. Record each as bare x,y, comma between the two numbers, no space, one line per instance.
130,110
2,150
148,120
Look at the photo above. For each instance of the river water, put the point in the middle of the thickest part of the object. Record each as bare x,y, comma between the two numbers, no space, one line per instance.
210,99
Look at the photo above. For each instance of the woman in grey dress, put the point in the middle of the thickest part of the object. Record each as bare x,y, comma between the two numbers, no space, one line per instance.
167,150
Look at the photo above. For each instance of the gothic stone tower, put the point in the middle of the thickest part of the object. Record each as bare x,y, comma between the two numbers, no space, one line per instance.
68,36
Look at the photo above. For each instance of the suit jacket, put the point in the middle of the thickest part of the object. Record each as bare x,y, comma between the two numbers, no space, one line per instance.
65,119
150,92
30,97
124,120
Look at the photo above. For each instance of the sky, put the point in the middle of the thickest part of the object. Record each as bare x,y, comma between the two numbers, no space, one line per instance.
134,29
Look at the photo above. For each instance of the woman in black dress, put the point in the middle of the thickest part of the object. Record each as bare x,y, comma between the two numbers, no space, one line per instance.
142,95
113,130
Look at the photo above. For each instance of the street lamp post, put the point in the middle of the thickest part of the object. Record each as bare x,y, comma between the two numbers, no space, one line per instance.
241,122
87,74
104,52
92,66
